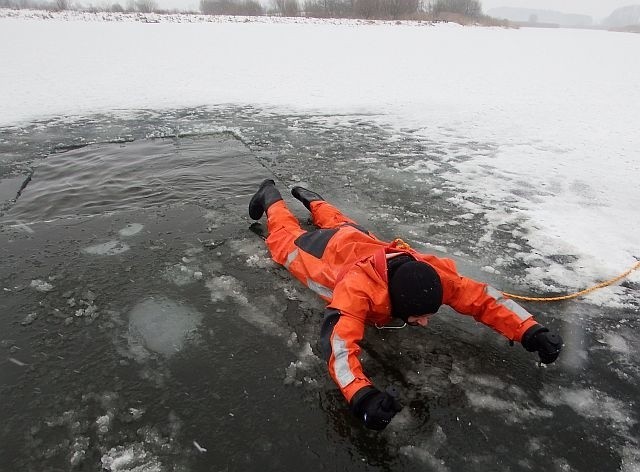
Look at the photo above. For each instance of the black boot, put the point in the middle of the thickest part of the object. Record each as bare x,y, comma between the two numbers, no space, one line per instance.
306,196
266,196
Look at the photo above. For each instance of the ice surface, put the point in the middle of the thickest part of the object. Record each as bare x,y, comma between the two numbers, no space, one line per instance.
161,325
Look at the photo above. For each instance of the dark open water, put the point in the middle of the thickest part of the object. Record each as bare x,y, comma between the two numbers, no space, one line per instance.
141,321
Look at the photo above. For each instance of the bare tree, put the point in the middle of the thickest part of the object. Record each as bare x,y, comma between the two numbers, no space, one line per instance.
231,7
367,8
399,8
146,6
470,8
62,5
286,7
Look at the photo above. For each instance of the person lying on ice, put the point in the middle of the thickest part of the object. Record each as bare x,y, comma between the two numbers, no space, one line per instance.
369,281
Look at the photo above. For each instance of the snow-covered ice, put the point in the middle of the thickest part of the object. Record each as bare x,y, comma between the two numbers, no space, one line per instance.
553,112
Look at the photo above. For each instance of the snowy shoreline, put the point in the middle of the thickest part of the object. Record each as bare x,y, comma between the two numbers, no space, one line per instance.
137,17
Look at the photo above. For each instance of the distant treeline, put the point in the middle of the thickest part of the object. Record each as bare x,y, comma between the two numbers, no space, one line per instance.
366,9
462,11
141,6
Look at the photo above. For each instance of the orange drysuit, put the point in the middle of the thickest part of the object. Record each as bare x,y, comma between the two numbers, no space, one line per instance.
347,267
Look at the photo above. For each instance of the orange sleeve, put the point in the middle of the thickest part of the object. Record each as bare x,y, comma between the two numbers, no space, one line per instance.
343,349
488,306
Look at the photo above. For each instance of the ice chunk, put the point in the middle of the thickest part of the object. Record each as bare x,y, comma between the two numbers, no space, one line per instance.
227,286
261,261
162,325
41,285
181,275
290,374
16,361
130,230
30,318
630,459
132,458
199,447
110,248
103,423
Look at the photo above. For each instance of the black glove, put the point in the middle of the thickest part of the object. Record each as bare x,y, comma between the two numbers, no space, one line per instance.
538,338
376,408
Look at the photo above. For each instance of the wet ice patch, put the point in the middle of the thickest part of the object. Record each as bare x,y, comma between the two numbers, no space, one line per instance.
162,326
591,403
425,451
110,248
513,411
617,343
130,230
492,394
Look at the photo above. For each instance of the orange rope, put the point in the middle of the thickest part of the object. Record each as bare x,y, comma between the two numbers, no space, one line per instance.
576,294
399,243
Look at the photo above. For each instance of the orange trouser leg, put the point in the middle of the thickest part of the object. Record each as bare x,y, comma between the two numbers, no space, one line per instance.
325,215
283,230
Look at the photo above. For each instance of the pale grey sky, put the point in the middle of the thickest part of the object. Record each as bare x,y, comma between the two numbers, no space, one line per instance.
598,9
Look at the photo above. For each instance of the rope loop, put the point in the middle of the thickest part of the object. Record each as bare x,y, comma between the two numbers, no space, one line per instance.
400,244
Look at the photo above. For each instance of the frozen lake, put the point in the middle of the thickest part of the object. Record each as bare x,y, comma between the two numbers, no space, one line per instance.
129,333
143,321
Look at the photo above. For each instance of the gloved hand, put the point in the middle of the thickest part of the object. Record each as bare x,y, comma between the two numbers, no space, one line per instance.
376,408
538,338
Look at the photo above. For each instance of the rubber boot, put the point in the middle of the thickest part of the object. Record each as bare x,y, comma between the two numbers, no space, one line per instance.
266,196
306,196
